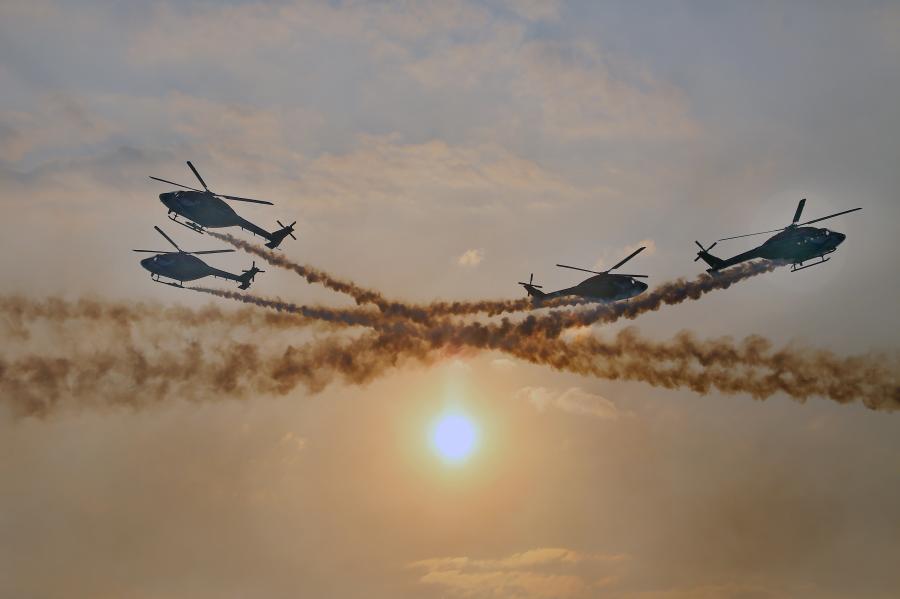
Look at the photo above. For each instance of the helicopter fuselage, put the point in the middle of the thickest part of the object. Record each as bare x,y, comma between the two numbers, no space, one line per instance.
794,245
599,288
608,288
202,208
801,244
183,267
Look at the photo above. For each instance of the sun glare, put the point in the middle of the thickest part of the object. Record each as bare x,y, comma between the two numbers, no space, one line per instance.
454,438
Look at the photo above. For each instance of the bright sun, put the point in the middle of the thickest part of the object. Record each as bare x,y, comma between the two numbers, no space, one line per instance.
454,438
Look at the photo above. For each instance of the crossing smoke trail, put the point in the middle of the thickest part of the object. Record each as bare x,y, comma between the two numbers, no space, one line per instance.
551,324
415,312
37,384
748,367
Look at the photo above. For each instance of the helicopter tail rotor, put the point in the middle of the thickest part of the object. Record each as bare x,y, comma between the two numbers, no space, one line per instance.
532,289
248,275
278,236
703,250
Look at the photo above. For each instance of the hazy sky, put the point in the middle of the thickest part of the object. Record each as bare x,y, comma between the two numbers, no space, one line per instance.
445,150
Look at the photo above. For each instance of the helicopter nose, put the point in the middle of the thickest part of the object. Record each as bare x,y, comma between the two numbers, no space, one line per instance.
146,263
640,286
838,238
166,198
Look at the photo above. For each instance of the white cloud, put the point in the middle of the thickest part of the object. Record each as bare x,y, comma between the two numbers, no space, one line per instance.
573,401
471,258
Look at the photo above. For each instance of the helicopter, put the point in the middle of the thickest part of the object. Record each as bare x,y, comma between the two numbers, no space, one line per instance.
184,266
604,287
204,209
795,243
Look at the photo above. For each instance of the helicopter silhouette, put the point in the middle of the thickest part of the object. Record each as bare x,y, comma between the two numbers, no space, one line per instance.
795,243
184,266
204,209
604,287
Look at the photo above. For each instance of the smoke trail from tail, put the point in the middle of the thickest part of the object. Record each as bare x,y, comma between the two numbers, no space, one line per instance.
669,293
419,313
19,310
344,316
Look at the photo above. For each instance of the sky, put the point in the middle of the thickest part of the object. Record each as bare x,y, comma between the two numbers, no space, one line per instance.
445,151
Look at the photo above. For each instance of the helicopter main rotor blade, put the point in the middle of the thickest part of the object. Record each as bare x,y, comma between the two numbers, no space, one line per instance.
155,251
630,256
581,269
210,252
799,211
633,276
169,239
815,220
244,199
202,182
173,183
749,235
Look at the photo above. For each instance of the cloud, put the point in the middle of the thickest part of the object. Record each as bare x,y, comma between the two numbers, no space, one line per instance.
53,122
471,258
537,573
383,170
573,401
580,95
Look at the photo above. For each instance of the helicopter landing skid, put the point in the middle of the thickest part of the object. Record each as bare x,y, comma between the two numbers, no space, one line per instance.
188,224
795,268
156,280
